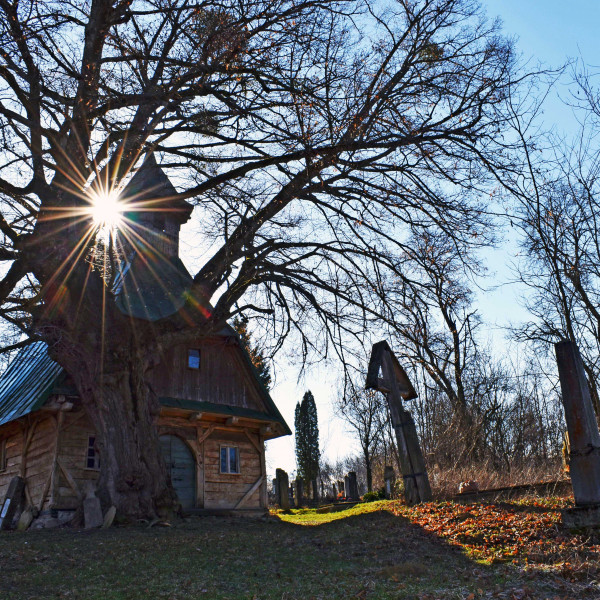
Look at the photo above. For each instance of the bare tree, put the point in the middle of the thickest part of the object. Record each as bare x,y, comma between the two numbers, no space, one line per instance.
310,135
366,413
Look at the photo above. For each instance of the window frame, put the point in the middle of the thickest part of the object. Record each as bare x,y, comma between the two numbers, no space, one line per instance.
189,351
96,455
237,454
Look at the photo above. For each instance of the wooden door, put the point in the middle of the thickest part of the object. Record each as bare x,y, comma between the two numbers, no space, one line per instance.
181,466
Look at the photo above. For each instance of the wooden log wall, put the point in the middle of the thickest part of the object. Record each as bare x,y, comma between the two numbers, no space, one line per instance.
72,477
222,378
222,490
226,490
50,449
12,436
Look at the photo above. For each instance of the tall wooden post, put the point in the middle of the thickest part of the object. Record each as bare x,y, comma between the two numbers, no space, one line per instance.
584,437
395,384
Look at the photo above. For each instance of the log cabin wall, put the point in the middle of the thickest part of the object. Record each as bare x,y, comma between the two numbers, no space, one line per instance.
221,378
226,490
216,490
50,450
31,452
72,476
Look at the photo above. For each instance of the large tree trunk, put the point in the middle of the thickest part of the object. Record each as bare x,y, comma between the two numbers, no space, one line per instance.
133,475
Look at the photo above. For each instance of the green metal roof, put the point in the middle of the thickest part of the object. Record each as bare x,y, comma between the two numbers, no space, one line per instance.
27,382
221,409
33,375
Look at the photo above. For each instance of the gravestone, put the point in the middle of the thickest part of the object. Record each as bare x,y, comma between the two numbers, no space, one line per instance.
333,489
109,517
584,438
283,489
92,511
346,487
299,492
315,491
389,477
353,486
25,519
12,501
394,382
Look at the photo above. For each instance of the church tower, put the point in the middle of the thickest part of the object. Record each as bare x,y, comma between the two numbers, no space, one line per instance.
155,214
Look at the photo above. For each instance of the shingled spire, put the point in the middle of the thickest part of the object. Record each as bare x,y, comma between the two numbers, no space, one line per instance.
156,212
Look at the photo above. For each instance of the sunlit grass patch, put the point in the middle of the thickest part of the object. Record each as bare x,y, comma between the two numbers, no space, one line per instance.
311,516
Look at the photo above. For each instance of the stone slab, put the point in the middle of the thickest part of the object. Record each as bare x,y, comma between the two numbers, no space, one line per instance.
92,513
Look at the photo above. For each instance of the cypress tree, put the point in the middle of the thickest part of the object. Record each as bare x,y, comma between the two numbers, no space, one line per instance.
307,438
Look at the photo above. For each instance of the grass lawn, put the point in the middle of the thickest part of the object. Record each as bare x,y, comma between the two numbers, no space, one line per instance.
384,550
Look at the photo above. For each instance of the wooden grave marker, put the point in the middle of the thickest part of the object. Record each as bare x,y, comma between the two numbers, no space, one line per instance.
584,438
395,384
12,501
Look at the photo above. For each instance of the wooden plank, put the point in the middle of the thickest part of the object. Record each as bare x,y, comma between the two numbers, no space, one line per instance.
251,491
30,432
54,468
264,492
204,436
69,479
45,491
252,440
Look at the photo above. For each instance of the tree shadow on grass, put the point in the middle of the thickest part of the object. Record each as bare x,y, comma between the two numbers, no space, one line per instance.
372,556
404,560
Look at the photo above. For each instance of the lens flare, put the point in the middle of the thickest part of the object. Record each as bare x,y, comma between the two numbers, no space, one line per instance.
107,210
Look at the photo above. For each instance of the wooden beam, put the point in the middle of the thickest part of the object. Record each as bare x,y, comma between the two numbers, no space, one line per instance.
69,479
203,436
45,491
232,421
26,445
54,471
265,429
252,441
249,493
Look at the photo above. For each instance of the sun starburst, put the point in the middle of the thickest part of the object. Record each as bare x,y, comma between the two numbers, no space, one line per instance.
106,209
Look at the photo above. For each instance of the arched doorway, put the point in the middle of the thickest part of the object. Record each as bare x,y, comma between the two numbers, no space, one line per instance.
181,466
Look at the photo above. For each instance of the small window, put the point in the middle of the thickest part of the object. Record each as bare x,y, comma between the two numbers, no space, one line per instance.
92,459
194,359
230,459
3,455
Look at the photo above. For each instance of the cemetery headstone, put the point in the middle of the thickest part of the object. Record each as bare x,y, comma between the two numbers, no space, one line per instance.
12,501
283,489
395,384
299,489
584,438
389,477
92,511
353,486
315,491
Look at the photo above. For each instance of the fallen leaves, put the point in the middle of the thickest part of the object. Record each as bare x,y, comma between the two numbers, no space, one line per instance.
526,533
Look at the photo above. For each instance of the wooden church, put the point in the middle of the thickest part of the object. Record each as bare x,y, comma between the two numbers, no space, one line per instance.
215,413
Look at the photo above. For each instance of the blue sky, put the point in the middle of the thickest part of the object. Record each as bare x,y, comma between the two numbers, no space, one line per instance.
551,32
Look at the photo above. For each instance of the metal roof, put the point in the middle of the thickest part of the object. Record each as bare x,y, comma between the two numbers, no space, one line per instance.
223,409
27,383
32,375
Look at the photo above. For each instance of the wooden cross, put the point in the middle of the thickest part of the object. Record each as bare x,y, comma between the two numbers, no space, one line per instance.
396,385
